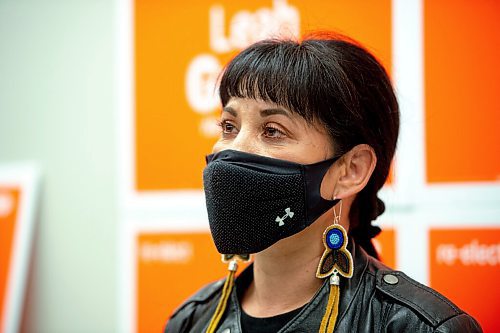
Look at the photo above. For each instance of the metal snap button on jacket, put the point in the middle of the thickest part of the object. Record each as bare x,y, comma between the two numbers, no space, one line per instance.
391,279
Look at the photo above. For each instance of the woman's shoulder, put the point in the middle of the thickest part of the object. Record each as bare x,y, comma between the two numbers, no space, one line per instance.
411,306
193,308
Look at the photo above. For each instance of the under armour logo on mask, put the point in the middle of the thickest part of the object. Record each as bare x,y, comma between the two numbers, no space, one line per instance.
288,214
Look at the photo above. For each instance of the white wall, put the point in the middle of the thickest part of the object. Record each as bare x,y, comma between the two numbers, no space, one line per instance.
57,109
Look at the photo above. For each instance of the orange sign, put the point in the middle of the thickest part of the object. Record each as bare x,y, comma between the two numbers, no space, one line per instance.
462,77
180,49
9,206
465,266
385,244
170,268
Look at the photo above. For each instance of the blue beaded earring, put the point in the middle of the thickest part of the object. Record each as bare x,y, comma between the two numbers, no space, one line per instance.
336,259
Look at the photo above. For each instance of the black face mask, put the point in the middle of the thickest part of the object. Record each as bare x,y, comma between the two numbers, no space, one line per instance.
254,201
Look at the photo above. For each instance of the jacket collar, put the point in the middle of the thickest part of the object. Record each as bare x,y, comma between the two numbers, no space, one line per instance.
350,287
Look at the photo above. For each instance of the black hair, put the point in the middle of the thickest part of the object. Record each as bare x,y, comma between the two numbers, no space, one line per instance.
332,79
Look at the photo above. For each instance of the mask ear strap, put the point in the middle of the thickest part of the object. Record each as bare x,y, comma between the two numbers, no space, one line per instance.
316,204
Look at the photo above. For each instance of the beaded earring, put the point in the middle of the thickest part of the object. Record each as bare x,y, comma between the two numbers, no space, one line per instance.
232,261
336,260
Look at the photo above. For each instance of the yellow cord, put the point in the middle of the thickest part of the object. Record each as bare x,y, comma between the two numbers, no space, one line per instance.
221,306
332,310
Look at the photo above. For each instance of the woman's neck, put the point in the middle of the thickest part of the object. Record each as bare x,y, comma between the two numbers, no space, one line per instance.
285,274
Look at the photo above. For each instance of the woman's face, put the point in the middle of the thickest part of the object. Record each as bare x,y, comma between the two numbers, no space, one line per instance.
266,129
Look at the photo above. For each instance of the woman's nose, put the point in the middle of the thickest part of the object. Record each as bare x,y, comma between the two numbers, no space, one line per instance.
246,142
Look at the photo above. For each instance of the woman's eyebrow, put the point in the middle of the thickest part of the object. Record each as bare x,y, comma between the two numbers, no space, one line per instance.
231,111
270,112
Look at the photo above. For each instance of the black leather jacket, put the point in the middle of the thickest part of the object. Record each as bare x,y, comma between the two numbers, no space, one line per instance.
375,299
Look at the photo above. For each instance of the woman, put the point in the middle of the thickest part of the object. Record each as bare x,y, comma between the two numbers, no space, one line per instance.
308,132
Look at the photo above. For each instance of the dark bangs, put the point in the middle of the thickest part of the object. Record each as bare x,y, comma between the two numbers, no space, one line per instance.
289,74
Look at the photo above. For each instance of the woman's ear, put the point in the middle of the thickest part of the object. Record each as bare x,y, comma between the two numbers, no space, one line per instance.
350,174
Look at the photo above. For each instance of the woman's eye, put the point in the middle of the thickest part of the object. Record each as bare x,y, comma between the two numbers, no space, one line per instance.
273,132
227,127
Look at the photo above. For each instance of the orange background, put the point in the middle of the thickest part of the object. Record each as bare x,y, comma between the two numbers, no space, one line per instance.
385,243
462,78
169,34
162,285
7,229
473,287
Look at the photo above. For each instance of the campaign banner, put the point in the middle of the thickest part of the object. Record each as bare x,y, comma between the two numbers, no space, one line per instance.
9,216
385,244
461,89
170,267
181,48
465,267
18,189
